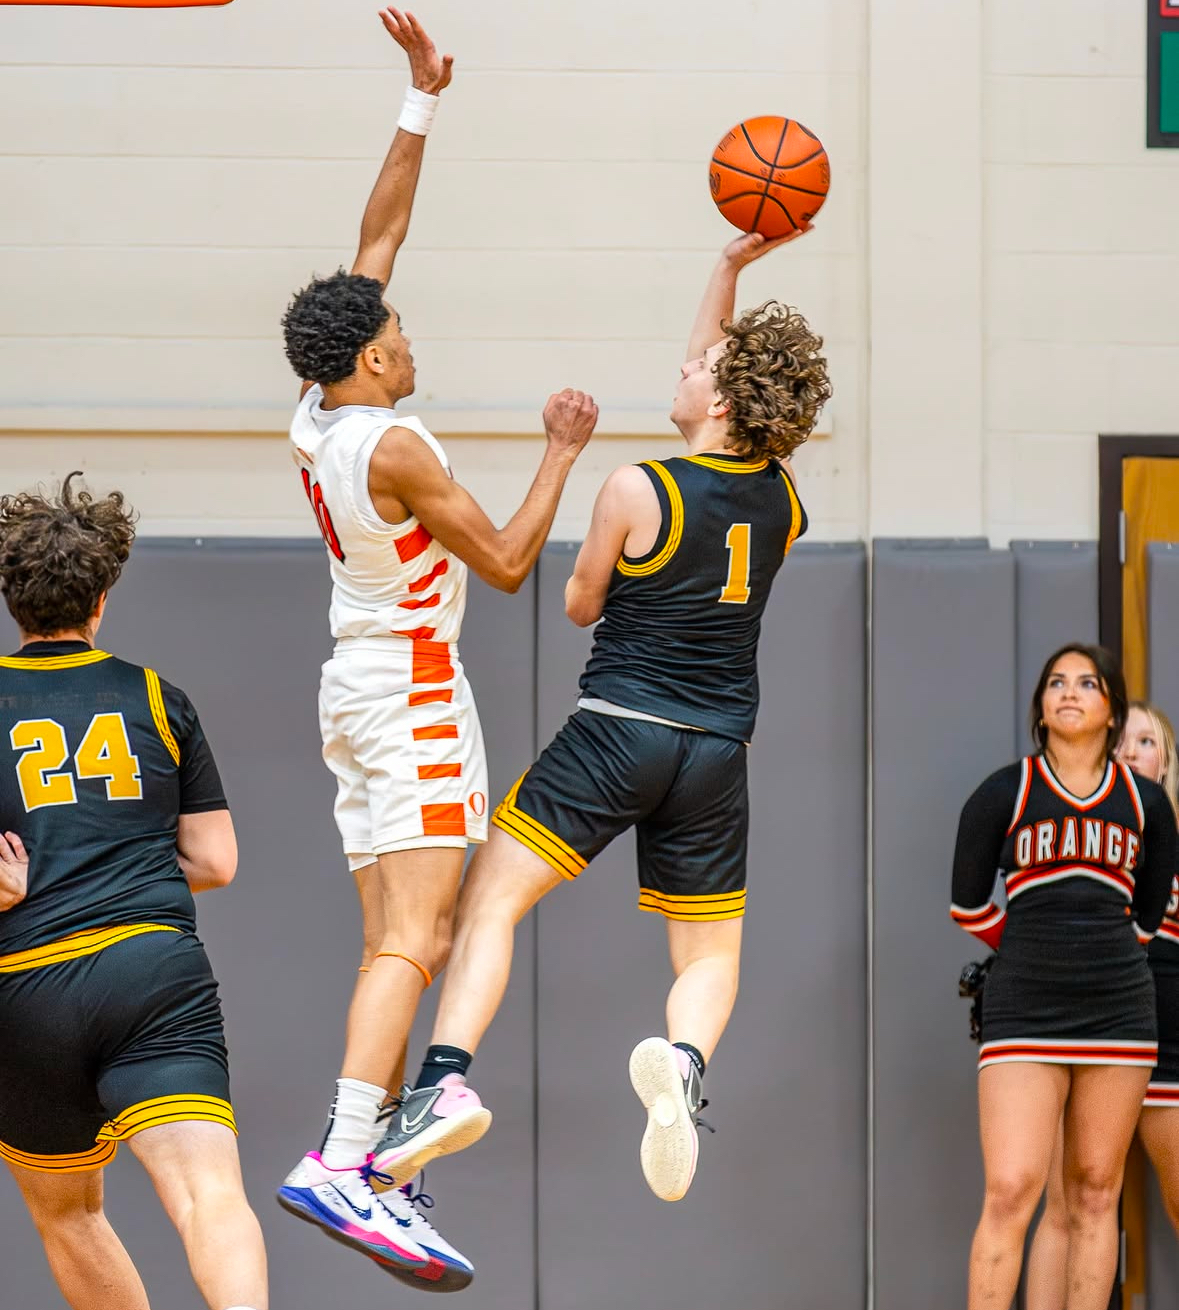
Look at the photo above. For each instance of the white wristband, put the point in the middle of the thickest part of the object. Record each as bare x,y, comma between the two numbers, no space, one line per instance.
417,111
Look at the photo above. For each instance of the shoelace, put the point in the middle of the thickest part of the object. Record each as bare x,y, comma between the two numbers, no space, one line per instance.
369,1173
421,1197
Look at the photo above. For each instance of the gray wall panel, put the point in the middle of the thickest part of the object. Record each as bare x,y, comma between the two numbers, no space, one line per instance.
781,1194
1163,581
1055,603
242,627
943,683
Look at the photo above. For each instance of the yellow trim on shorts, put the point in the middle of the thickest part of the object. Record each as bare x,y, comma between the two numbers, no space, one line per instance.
167,1110
50,662
557,854
78,1162
727,466
88,942
694,909
155,698
674,534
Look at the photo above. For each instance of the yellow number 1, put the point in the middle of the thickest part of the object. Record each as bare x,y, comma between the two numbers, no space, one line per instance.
736,590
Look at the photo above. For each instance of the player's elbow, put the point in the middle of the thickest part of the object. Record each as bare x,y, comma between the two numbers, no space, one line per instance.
581,613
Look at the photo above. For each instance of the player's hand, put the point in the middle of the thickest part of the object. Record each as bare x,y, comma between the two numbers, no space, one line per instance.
14,871
569,419
430,71
745,249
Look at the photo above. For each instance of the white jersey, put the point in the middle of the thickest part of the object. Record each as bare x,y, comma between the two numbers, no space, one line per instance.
387,578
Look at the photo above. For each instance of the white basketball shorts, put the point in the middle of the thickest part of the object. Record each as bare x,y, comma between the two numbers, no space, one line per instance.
401,733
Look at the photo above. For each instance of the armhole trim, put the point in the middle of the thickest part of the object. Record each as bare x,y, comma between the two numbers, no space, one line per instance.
159,713
1021,797
675,530
795,512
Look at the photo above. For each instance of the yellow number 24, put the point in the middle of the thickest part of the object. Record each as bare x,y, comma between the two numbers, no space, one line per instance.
105,752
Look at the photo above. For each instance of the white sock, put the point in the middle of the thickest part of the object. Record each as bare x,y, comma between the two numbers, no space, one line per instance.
348,1139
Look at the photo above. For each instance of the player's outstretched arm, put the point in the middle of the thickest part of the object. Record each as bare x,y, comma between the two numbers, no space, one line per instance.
386,217
720,294
626,503
206,846
404,468
14,871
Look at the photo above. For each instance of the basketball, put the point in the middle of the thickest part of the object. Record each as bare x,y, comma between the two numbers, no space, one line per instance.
769,175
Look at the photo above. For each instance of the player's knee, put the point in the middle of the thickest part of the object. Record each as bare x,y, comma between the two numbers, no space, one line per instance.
1092,1192
63,1213
427,952
1012,1196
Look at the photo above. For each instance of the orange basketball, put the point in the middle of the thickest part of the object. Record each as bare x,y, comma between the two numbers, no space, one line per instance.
769,175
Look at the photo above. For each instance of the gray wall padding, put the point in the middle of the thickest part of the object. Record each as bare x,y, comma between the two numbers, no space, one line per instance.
943,683
1055,603
242,627
1163,637
777,1213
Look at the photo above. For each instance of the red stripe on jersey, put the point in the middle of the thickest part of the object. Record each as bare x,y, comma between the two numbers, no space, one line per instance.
436,572
412,544
428,771
428,603
444,820
1020,882
418,634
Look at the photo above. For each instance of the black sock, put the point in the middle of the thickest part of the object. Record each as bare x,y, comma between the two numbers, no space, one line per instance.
441,1060
693,1054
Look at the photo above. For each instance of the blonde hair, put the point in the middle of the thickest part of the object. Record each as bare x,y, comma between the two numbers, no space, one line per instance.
1168,758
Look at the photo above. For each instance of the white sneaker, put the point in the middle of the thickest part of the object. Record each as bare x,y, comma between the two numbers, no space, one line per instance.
341,1202
667,1083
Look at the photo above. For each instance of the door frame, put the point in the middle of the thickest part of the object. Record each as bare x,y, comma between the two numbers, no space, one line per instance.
1111,451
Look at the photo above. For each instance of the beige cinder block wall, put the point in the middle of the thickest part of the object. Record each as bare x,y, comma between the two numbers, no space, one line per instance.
992,271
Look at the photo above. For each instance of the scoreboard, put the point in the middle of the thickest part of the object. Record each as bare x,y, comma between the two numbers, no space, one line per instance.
1162,73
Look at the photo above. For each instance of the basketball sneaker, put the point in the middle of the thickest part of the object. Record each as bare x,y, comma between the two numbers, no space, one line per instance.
667,1083
344,1205
448,1270
431,1121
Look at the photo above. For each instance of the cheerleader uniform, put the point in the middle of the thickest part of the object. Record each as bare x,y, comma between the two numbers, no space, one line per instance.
1086,878
1163,958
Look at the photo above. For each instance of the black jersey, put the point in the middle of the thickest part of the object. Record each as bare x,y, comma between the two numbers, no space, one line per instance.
1164,949
98,759
1072,865
679,631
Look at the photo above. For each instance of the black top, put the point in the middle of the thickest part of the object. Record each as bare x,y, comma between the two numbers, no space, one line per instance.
1070,863
98,759
679,632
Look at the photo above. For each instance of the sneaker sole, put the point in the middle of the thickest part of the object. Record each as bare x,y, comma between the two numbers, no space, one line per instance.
669,1147
384,1255
445,1137
436,1277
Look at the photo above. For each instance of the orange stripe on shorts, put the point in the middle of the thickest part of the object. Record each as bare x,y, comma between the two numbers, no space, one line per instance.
441,732
428,771
444,820
431,662
431,697
412,544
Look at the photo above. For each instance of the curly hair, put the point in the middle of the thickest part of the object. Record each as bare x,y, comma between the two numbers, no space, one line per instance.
330,322
59,554
774,378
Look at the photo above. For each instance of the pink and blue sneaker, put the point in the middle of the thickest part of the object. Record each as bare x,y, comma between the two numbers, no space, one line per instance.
344,1205
448,1270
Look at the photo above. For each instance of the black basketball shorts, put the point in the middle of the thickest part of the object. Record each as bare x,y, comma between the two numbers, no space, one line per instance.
685,793
99,1042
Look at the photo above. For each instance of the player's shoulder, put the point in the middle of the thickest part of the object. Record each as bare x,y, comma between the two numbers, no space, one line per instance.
1152,795
1002,785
